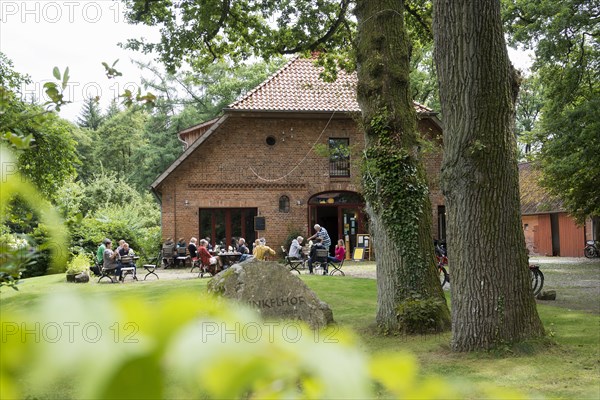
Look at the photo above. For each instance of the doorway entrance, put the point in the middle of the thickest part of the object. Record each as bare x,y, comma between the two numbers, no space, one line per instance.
341,213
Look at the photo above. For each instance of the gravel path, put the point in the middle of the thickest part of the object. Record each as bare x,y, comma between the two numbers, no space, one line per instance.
575,280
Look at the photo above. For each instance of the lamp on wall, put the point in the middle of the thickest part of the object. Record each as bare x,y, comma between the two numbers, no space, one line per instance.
299,202
186,203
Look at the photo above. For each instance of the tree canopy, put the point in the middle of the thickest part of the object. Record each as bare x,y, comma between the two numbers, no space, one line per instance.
566,38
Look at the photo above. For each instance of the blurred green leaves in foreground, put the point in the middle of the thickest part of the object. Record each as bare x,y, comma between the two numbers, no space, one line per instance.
196,346
11,257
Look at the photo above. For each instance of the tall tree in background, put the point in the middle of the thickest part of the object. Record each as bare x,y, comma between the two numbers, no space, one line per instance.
528,108
492,301
201,33
91,115
566,38
119,138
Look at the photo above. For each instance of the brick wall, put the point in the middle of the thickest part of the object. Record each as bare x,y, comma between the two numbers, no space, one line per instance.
236,168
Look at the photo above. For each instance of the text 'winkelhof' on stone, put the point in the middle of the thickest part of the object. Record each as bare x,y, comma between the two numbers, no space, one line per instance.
277,302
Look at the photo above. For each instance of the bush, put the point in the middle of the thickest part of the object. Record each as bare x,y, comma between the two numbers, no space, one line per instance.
41,265
78,264
420,315
90,232
15,256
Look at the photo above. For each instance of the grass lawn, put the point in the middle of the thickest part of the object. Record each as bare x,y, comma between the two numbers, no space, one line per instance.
566,366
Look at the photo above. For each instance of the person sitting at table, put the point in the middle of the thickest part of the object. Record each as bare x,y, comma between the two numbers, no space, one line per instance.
206,258
242,248
120,246
109,259
262,251
168,252
313,254
125,250
180,245
99,257
340,252
193,249
295,252
208,245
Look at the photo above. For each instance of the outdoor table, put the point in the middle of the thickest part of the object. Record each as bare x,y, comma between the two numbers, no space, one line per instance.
229,258
128,268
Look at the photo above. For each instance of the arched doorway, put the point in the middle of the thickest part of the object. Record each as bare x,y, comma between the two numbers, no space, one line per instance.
341,213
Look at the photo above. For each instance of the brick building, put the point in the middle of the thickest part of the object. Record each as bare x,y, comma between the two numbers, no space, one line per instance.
285,155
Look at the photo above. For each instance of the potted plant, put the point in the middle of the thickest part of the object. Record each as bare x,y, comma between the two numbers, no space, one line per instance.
77,266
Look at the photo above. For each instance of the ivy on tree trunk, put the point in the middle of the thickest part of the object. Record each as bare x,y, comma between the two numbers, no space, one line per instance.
394,182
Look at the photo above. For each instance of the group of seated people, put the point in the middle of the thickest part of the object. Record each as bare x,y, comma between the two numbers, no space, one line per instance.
110,259
296,252
201,251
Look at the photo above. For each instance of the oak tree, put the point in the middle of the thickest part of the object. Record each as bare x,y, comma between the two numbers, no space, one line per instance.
492,301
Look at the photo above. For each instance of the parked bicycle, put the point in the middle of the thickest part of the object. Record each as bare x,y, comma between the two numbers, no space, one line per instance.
592,249
441,260
537,278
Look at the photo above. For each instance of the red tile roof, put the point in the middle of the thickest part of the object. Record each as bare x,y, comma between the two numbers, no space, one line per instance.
534,198
298,87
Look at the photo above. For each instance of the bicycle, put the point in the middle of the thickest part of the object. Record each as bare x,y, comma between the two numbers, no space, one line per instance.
537,278
442,261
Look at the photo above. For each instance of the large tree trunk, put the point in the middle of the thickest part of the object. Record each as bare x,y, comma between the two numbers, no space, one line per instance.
394,181
492,301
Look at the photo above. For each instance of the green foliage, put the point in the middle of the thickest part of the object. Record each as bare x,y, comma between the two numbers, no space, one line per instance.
89,232
90,116
78,264
15,256
419,315
55,90
528,108
14,184
43,246
423,76
105,189
119,138
241,30
396,189
570,160
172,350
9,78
567,63
51,160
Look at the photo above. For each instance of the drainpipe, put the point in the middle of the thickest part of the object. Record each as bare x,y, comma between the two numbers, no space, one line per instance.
158,198
185,144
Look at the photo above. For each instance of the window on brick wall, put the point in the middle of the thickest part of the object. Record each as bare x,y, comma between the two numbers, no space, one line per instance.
339,157
284,204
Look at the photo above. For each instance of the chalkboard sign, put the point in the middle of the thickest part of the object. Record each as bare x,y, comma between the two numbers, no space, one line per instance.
259,223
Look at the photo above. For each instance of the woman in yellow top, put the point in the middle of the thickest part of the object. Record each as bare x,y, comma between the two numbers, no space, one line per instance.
262,251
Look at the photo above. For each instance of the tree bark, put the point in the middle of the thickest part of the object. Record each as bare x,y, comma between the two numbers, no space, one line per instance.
492,301
394,181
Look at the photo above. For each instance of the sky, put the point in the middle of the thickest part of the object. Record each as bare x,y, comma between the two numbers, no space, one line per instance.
38,35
